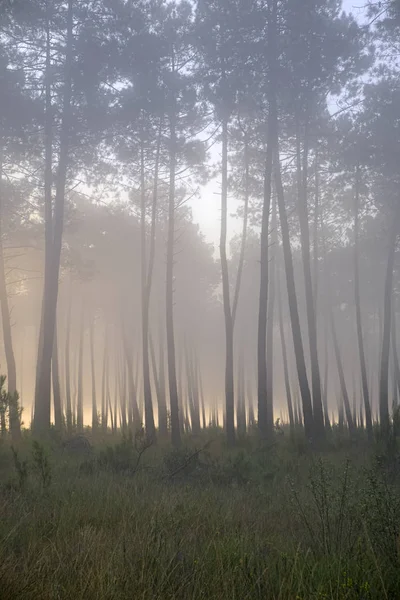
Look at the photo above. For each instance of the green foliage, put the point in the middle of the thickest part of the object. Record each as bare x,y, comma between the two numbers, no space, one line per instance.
329,520
9,406
125,456
21,467
41,464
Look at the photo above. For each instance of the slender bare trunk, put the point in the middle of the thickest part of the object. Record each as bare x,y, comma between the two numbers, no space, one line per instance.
396,366
270,321
95,420
285,360
264,420
79,416
15,426
146,287
171,353
229,381
357,302
55,371
302,174
343,386
387,312
159,382
53,228
68,367
293,308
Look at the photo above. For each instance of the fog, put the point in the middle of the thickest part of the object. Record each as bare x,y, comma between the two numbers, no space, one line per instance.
124,126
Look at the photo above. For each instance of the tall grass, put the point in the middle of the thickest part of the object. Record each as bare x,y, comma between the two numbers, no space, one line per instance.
260,522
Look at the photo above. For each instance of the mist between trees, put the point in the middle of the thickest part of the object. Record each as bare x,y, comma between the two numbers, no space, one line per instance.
115,309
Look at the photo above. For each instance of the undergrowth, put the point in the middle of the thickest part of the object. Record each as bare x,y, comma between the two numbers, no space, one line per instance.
134,519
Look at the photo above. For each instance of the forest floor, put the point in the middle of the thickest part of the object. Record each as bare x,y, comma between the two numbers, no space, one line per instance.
262,521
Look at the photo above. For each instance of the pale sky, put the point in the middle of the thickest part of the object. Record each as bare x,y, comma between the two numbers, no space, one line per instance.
206,207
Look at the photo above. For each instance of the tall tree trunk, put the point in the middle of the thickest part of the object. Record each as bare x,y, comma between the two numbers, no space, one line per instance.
159,382
287,252
229,380
15,426
264,420
95,420
396,366
68,367
387,312
343,387
302,174
55,371
79,409
169,316
146,287
53,227
104,404
316,221
243,242
285,360
270,321
137,421
357,302
325,388
293,307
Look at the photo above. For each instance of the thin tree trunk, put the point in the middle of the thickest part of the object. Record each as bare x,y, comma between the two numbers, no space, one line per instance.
104,415
387,312
270,321
319,429
201,394
293,308
67,367
357,302
285,360
316,221
146,286
343,387
137,421
229,380
395,355
325,390
159,382
15,426
264,420
79,419
95,420
244,233
53,228
58,416
169,316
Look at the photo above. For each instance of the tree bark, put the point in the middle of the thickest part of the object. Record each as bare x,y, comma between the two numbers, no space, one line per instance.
293,307
95,420
387,312
343,387
302,175
68,367
264,420
159,382
285,360
146,273
15,426
53,227
55,371
229,380
79,408
270,321
357,302
169,316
